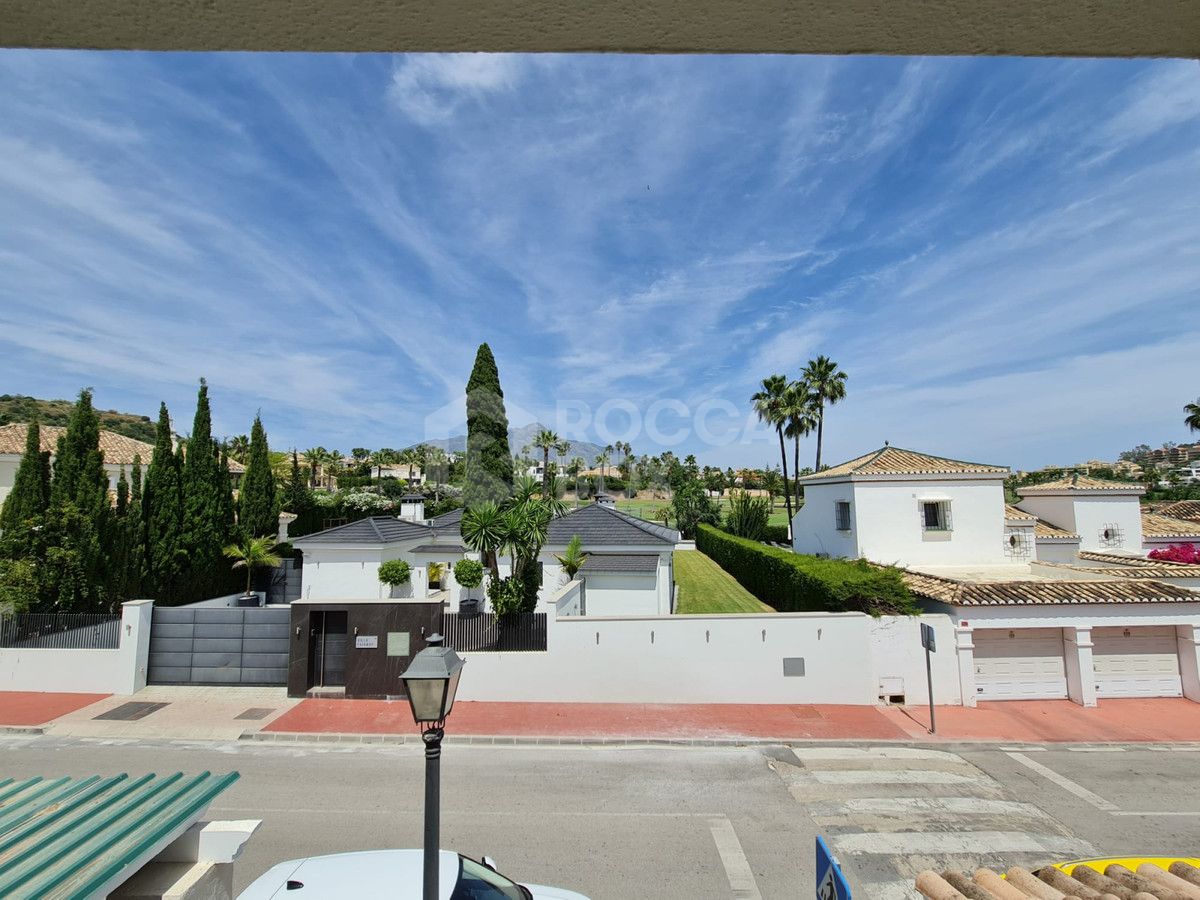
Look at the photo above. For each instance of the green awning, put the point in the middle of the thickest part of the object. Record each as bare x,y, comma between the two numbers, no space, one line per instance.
83,837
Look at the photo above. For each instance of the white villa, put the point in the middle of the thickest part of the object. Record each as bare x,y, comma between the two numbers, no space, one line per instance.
1051,598
628,570
118,451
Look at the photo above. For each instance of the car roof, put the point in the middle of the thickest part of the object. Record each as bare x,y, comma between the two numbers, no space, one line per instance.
363,874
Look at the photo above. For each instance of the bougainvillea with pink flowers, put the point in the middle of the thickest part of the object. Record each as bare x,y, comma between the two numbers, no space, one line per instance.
1178,553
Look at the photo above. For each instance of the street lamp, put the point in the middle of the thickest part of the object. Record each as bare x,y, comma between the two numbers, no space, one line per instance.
431,682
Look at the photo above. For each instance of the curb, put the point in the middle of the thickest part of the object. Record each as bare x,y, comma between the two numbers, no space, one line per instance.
306,737
22,729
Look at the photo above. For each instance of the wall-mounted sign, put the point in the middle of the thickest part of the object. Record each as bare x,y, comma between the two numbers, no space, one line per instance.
366,642
398,643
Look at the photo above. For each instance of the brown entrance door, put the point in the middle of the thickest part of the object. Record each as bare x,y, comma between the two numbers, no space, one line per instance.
327,648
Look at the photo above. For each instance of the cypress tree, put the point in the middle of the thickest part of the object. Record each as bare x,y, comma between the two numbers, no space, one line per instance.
204,530
489,462
134,534
258,507
26,505
228,508
295,494
162,515
75,576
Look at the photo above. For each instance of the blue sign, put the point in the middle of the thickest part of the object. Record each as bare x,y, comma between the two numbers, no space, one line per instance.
831,883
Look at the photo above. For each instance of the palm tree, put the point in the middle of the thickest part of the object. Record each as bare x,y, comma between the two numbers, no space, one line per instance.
770,483
1192,420
573,559
546,440
799,405
253,553
574,467
482,531
602,462
769,404
314,457
239,447
828,385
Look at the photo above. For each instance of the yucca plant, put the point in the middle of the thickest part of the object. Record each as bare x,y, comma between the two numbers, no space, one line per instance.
574,557
253,553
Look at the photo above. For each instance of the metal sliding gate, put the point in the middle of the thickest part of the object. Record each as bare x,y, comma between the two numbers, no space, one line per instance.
219,645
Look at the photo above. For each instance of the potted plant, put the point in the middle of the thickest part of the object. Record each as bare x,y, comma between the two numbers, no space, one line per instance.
395,573
252,553
468,573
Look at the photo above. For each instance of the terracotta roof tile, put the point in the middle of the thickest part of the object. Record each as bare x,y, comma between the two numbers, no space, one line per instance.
1079,482
1154,525
1183,509
1042,593
1119,559
1013,514
118,449
1043,529
898,461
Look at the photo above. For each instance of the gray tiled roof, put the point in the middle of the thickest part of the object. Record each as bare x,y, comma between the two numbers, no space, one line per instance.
599,526
372,530
449,520
440,548
621,562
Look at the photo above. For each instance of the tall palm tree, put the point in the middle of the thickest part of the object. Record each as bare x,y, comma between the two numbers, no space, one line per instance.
799,405
239,447
574,467
545,440
253,553
769,405
828,385
602,461
1192,420
314,458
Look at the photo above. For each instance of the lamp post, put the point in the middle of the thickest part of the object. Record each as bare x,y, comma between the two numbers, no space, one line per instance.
431,682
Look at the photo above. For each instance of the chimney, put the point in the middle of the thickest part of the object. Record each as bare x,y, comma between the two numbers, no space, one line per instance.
412,507
606,500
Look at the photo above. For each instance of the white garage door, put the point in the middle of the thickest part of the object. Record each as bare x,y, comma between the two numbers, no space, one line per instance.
1019,664
1136,662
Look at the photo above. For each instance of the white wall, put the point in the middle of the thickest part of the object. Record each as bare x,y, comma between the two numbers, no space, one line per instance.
886,522
1055,552
342,574
814,526
708,659
10,462
896,652
622,594
119,671
1087,516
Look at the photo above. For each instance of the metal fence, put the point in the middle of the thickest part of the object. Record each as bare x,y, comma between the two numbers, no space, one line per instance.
60,631
522,633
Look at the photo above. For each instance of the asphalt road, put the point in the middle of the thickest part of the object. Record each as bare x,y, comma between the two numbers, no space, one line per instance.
687,822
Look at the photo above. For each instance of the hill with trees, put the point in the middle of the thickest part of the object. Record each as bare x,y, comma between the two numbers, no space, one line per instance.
19,408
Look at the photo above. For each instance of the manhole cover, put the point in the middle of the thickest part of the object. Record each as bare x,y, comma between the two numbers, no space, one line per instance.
255,712
127,712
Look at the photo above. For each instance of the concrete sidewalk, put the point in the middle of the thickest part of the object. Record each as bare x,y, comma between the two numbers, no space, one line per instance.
228,713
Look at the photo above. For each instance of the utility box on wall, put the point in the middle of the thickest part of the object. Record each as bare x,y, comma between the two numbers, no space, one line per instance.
357,650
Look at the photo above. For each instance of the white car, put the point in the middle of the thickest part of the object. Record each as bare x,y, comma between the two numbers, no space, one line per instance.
392,874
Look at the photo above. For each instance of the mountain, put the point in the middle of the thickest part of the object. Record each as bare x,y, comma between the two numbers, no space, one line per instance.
18,408
520,437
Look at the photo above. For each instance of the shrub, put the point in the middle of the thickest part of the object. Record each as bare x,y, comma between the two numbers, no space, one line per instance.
468,573
792,582
395,572
775,534
747,516
1178,553
692,508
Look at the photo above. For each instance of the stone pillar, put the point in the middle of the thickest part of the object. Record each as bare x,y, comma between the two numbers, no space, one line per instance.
1188,639
1081,676
964,645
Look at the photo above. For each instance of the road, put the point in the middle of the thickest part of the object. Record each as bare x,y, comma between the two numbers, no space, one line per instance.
681,822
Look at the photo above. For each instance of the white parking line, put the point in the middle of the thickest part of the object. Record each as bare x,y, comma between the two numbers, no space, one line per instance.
1065,783
1124,813
925,806
737,867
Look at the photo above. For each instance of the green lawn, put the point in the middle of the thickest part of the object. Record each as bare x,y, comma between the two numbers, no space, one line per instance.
704,587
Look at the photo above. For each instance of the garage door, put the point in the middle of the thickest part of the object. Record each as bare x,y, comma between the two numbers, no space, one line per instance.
1136,662
1019,664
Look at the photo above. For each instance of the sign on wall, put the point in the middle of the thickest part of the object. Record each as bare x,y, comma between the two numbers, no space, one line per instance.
398,643
366,641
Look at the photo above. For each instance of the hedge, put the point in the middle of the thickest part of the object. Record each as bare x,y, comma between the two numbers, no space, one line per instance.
793,582
776,534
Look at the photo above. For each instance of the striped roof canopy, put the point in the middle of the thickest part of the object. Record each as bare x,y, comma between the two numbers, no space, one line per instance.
890,460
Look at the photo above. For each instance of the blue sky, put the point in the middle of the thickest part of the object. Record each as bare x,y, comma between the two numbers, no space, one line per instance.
1004,255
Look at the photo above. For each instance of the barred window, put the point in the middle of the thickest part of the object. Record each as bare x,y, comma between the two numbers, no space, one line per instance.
935,515
842,514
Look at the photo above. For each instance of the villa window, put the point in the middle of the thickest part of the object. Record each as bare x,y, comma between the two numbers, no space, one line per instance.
842,514
935,515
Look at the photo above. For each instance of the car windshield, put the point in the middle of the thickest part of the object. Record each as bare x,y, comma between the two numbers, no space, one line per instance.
477,882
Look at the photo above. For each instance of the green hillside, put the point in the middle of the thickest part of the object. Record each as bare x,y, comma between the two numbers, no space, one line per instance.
15,408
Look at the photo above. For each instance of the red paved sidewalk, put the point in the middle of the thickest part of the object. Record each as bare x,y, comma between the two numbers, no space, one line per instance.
599,720
1043,721
34,708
